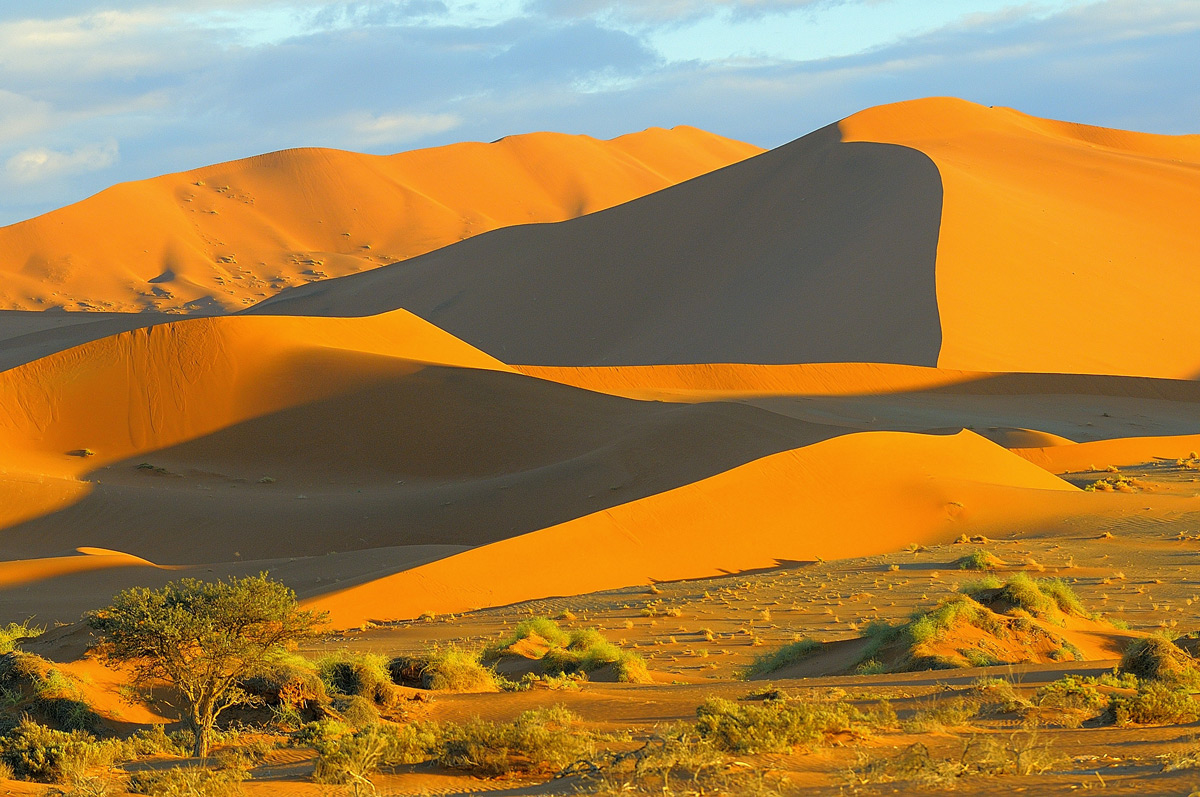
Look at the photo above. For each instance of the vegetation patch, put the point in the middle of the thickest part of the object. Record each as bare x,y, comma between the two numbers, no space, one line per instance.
560,652
774,726
452,669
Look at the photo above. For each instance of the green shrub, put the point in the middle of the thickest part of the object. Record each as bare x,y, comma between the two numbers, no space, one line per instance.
1156,658
291,682
46,692
979,560
783,657
778,725
152,741
355,710
363,675
541,740
450,668
584,650
1070,693
1155,703
1063,596
188,781
36,752
1022,592
12,634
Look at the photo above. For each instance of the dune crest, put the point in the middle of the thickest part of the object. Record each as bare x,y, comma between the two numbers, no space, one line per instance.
225,236
853,495
1057,239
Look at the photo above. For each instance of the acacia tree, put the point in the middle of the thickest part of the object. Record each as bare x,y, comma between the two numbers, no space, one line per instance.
203,638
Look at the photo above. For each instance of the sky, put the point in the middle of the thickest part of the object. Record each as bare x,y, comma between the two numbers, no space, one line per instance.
94,93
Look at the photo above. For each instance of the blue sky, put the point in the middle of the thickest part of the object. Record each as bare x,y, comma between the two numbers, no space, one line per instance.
93,93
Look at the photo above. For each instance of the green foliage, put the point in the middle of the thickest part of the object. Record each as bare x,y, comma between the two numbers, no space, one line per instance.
291,682
1070,693
1022,592
12,634
1156,658
788,654
363,675
188,781
1063,596
204,638
451,668
540,627
1155,703
44,691
542,740
775,726
36,752
979,560
583,650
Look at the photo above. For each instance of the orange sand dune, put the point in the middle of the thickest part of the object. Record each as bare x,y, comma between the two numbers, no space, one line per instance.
16,573
229,235
150,388
1099,454
1063,248
850,496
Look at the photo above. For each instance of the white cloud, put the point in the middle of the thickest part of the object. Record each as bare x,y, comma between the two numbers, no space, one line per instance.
667,11
398,128
39,163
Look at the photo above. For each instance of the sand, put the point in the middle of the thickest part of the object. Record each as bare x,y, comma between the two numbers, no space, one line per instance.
226,236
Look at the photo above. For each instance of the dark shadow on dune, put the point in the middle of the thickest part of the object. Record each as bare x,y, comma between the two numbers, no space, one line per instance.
442,456
818,251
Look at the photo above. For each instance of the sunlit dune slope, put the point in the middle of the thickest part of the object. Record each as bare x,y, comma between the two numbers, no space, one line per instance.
849,496
1063,247
215,438
148,388
228,235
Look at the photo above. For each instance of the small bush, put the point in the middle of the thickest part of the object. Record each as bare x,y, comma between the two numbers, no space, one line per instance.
979,560
1070,693
1022,592
12,634
36,752
352,759
292,682
583,650
363,675
783,657
778,726
188,781
542,740
1063,596
355,710
1155,703
1156,658
451,669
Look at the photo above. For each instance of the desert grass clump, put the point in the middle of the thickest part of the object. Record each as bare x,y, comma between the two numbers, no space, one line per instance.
787,655
1157,658
44,691
980,559
1018,753
582,650
35,752
188,781
450,669
775,726
364,675
13,634
541,740
351,758
1155,703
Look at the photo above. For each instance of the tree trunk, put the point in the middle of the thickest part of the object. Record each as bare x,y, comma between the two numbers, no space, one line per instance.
202,723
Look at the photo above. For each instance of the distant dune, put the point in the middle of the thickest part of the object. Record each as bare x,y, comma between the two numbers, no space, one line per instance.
226,236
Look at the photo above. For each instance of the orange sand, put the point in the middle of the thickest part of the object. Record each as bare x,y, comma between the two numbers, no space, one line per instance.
229,235
1102,453
853,495
1063,248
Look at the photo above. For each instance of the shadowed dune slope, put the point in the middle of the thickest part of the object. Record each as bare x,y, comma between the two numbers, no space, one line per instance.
229,235
817,251
1063,247
436,456
877,490
149,388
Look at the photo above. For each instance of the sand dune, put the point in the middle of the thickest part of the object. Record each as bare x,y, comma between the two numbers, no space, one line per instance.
1063,248
879,491
857,243
224,236
816,251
